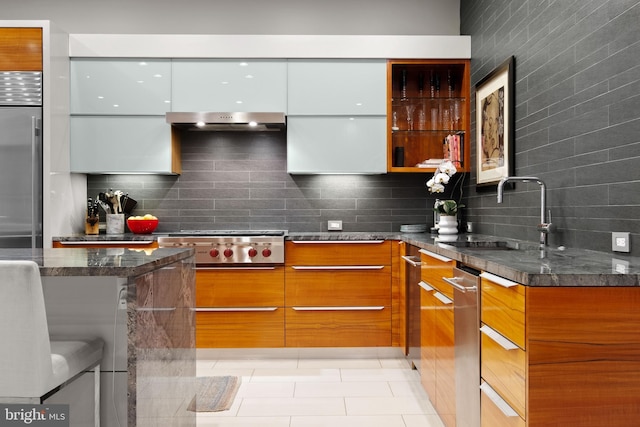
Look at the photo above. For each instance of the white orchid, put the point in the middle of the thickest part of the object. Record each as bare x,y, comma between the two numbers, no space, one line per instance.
441,177
448,168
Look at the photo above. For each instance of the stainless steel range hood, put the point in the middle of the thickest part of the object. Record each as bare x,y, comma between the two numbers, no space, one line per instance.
209,121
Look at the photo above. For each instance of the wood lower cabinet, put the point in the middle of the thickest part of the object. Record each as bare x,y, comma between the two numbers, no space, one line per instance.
579,361
240,307
437,335
338,294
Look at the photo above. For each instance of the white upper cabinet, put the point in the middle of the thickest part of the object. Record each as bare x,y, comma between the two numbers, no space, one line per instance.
229,85
120,86
336,144
123,144
335,87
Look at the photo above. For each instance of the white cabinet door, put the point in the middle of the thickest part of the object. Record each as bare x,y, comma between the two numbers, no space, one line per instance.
336,144
120,86
121,144
229,85
335,87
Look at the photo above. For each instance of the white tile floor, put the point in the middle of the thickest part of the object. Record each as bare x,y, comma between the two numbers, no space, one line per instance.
332,387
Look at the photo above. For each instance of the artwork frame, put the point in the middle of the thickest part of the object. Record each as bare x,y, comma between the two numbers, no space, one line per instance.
495,118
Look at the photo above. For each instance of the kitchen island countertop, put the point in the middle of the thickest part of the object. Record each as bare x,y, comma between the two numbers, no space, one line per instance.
119,262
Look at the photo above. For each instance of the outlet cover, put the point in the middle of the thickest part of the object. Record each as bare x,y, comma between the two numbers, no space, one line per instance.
334,225
620,242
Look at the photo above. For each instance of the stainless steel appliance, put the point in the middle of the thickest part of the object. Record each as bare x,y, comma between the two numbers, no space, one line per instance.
466,282
231,121
20,160
412,292
230,247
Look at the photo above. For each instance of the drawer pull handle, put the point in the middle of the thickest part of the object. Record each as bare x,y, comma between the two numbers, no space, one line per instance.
156,309
337,267
498,280
425,286
234,309
498,401
321,242
412,260
435,255
497,338
443,298
356,308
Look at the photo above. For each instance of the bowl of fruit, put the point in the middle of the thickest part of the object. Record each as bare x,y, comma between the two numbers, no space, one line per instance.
142,224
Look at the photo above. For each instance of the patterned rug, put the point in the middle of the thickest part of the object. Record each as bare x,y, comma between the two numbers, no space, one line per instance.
214,394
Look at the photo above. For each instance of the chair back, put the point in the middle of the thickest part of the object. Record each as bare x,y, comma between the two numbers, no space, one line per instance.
25,349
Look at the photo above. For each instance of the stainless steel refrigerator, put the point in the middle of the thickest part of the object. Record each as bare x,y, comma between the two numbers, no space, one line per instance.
20,177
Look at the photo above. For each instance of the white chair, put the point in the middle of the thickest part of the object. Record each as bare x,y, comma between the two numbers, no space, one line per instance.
33,366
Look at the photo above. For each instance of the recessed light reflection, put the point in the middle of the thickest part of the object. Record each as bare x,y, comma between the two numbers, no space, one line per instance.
157,75
253,124
248,76
200,124
244,64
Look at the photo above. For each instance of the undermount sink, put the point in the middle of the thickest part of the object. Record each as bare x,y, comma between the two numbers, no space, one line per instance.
484,245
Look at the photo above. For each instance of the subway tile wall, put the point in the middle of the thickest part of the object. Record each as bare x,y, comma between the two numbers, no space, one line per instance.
577,120
238,180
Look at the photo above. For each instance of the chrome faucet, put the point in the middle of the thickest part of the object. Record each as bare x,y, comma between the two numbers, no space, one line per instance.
544,227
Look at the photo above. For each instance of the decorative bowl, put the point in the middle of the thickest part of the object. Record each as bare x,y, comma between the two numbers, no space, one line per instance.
142,226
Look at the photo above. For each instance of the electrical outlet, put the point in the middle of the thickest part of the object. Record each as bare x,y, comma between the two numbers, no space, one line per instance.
334,225
122,297
620,242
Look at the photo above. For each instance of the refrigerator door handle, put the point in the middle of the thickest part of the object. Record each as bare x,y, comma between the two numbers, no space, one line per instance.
36,134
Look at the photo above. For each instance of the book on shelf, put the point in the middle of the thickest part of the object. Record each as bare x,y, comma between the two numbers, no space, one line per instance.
453,148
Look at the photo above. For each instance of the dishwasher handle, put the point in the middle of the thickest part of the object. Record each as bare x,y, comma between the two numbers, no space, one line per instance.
412,259
453,281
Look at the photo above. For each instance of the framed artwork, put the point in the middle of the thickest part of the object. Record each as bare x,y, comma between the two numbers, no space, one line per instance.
494,125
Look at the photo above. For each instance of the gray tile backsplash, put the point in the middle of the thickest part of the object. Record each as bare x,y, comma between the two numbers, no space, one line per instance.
577,123
238,180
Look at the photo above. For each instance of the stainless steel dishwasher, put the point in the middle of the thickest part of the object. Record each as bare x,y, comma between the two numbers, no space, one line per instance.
466,297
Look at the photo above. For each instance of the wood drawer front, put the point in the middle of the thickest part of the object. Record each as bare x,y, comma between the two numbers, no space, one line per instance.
335,327
376,252
493,416
339,287
240,287
432,270
20,49
504,310
505,371
240,329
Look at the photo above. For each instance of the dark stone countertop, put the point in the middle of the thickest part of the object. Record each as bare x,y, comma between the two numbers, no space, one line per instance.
526,264
104,238
118,262
519,261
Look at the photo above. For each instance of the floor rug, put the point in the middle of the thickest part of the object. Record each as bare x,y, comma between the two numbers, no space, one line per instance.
214,394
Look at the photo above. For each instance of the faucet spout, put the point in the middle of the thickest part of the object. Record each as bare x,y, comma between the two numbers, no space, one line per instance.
544,227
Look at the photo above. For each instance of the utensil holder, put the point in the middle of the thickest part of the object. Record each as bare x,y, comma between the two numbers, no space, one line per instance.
115,223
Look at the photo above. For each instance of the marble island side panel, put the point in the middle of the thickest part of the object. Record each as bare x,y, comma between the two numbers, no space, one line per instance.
149,365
